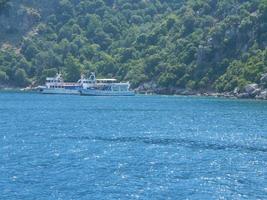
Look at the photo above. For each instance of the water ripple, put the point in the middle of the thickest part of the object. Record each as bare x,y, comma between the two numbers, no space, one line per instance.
194,144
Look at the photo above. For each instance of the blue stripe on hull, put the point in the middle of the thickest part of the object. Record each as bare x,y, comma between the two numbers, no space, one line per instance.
60,91
106,93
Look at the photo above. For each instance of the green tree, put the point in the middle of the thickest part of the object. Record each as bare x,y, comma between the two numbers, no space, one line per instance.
3,77
72,69
21,78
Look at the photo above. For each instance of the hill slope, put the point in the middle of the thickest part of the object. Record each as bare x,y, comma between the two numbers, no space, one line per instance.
195,44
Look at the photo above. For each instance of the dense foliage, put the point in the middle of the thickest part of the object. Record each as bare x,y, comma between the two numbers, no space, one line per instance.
196,44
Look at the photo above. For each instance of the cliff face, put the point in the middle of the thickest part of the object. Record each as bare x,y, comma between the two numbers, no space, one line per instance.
20,17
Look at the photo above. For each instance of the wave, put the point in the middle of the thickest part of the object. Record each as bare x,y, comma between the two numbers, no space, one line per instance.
189,143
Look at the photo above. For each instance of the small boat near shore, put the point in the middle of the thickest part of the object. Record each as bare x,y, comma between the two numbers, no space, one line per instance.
56,85
104,87
86,86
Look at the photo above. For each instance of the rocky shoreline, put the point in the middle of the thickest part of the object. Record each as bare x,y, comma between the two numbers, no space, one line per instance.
250,91
261,95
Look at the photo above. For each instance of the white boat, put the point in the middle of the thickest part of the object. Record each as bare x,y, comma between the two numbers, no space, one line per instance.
56,85
104,87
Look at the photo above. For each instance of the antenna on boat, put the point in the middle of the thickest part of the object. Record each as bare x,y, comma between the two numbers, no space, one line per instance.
92,76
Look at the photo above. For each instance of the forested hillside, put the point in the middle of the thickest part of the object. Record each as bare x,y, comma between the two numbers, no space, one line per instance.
207,45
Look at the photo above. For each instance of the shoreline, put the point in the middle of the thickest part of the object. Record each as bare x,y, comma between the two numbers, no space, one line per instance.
226,95
184,92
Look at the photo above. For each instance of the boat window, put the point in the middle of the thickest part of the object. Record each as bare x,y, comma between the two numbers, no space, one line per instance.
115,88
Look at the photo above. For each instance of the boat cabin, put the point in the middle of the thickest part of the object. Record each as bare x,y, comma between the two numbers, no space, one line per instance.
52,82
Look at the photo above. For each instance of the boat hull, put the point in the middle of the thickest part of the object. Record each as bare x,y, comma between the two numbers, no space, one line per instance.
88,92
60,91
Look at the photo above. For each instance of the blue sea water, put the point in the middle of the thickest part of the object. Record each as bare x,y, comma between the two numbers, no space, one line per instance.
143,147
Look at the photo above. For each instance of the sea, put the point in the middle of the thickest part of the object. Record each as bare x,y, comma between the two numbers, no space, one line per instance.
142,147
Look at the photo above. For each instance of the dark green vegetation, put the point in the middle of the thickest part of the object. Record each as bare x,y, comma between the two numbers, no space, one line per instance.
3,2
195,44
